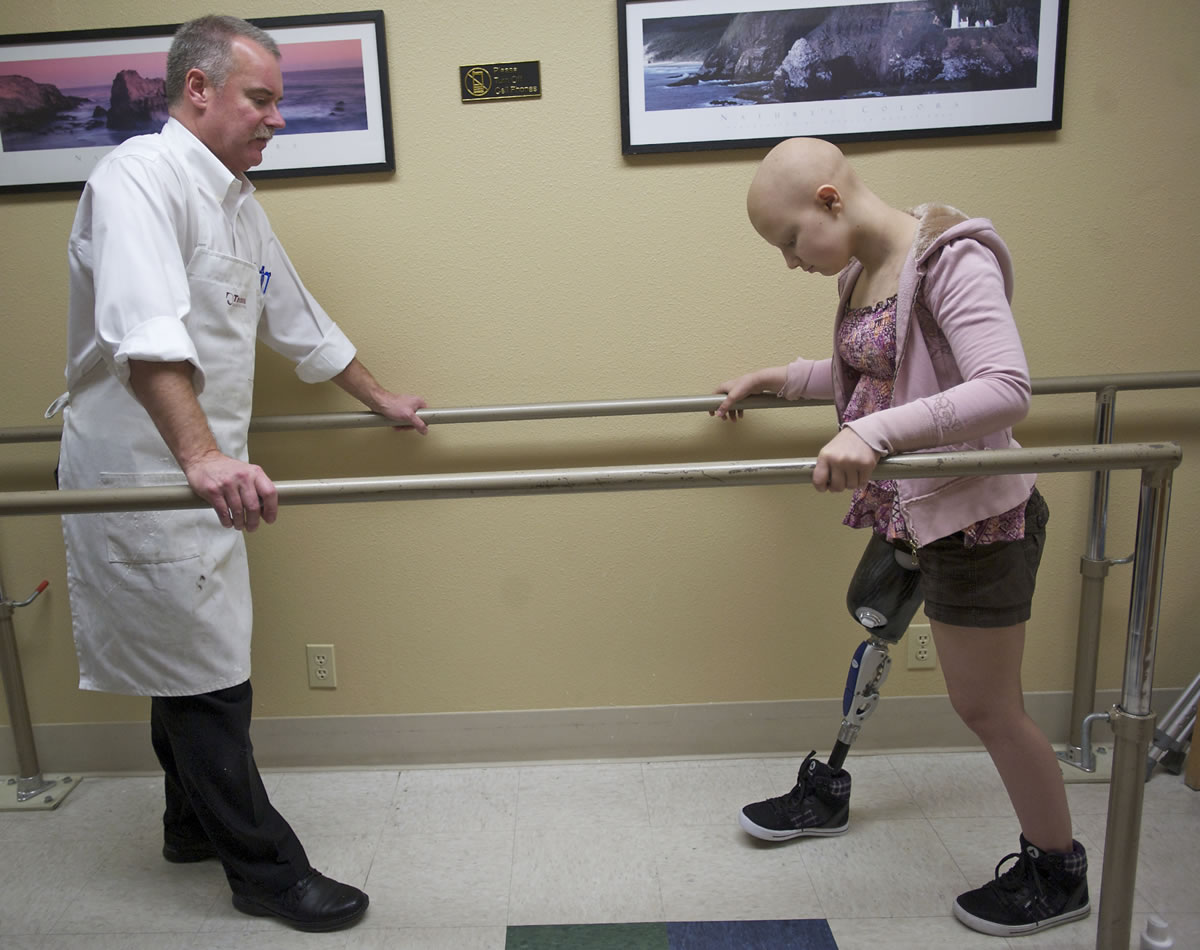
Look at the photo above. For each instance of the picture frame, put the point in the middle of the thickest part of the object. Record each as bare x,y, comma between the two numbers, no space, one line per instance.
336,93
722,74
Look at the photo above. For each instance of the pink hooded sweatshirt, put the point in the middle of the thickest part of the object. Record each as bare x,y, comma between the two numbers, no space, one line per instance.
961,377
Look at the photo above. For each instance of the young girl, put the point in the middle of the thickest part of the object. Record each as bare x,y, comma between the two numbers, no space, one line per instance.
927,356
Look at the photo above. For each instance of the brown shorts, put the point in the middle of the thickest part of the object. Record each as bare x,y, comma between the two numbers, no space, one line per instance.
988,585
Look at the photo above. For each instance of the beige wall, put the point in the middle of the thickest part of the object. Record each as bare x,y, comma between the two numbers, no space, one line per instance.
516,256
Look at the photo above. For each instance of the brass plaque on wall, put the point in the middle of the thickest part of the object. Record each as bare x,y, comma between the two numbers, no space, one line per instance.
500,81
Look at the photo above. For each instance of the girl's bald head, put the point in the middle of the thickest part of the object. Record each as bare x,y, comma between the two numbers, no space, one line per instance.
794,171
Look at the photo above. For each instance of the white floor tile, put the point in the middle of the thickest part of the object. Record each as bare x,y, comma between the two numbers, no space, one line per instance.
116,941
442,879
1087,799
428,938
721,873
335,803
38,879
913,933
892,868
437,800
1166,794
978,844
582,796
1080,935
133,890
100,808
1168,874
878,792
20,942
588,874
278,937
954,785
681,794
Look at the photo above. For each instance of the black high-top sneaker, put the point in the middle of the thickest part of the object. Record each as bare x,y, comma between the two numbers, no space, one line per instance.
1041,890
818,805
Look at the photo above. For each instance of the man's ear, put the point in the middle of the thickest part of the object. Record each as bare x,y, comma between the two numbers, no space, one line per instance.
196,88
829,197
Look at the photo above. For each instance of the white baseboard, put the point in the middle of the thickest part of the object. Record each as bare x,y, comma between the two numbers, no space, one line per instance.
540,735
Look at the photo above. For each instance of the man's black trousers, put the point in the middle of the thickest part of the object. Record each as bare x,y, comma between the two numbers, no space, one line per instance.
214,791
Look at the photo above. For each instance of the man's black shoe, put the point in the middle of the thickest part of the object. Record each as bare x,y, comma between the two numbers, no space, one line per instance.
188,852
315,903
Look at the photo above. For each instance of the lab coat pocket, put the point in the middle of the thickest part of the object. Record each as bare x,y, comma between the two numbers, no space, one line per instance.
149,537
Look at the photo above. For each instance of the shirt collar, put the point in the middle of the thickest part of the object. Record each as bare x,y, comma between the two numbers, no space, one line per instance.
228,189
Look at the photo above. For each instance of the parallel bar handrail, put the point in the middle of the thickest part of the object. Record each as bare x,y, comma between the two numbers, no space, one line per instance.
1146,455
1132,720
519,412
1054,385
1057,385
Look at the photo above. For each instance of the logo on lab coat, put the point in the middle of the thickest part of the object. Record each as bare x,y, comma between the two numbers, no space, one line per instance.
234,300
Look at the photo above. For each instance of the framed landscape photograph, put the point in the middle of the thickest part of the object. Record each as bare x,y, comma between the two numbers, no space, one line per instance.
710,74
67,99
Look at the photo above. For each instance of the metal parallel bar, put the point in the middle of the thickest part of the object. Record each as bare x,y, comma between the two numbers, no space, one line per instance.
510,413
29,772
614,478
1093,567
1146,590
524,413
1133,724
1058,385
1133,720
10,671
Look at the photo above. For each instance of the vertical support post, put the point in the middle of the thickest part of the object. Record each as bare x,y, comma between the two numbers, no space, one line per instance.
29,778
1093,567
1133,720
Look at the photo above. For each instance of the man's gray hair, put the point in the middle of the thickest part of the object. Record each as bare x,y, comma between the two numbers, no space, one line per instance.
205,44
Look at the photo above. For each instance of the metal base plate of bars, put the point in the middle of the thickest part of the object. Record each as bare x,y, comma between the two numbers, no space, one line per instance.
1101,773
42,793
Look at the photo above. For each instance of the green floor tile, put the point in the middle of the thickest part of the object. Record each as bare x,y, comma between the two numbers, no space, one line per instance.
588,937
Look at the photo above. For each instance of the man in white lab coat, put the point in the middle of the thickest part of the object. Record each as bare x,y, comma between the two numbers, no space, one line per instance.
175,273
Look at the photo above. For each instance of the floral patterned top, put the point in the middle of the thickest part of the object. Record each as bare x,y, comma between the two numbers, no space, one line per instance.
866,341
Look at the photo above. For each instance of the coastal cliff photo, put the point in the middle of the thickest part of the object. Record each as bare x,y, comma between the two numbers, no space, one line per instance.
699,73
68,98
87,101
872,50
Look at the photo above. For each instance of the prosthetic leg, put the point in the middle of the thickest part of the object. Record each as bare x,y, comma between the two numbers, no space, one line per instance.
884,594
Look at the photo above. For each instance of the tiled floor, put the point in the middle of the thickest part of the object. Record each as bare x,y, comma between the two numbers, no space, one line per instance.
453,857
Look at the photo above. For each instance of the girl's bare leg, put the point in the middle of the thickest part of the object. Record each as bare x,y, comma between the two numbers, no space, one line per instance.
982,668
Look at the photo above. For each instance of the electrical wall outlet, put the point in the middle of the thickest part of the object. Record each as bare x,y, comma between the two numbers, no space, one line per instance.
921,655
322,672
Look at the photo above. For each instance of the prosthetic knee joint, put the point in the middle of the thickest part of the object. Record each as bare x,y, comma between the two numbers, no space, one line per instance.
884,594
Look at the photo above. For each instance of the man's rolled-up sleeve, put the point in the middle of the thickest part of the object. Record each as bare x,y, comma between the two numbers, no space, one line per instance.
159,339
141,285
295,325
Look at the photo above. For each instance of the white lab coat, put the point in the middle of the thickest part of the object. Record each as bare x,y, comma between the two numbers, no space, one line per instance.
171,259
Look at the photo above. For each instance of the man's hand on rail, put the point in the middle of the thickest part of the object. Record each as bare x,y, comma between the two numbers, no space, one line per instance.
769,380
403,410
846,461
241,493
357,380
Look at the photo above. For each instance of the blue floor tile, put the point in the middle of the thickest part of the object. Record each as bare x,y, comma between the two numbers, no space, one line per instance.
678,935
751,935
